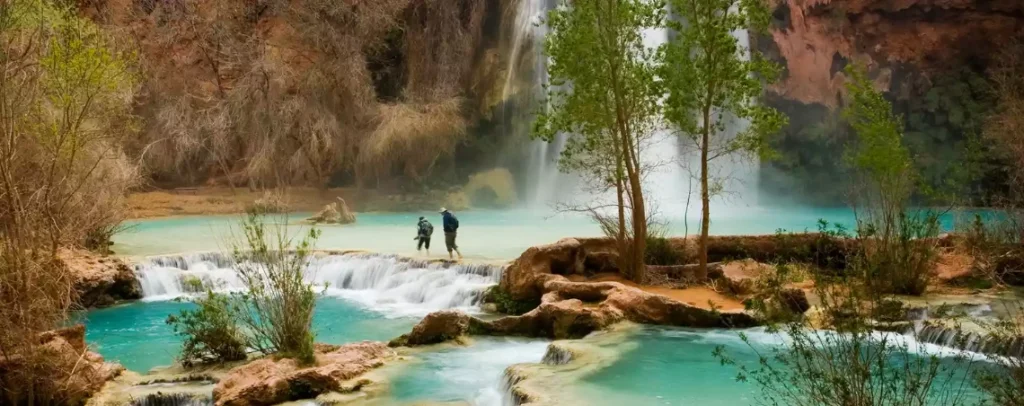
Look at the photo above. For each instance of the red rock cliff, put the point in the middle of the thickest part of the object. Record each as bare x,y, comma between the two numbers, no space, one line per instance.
814,39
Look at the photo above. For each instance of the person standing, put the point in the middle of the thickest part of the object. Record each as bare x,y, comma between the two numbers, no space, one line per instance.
423,232
451,225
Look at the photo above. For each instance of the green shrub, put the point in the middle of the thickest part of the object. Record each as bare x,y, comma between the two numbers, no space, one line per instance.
902,260
847,363
211,331
278,301
506,304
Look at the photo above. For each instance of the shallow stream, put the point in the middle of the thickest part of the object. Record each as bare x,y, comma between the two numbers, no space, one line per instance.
380,296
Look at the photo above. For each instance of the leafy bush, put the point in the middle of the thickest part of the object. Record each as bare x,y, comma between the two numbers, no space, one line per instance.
897,244
211,331
506,304
901,261
273,315
660,250
278,302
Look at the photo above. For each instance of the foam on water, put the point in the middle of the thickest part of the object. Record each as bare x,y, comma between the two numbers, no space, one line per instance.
473,374
394,285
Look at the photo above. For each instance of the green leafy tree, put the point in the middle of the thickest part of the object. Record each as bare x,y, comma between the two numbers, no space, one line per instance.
711,84
898,249
602,91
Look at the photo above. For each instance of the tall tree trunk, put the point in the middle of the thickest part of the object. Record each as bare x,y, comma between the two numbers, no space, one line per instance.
620,235
705,219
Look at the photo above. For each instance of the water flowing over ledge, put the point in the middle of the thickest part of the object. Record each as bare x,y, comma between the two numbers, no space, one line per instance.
394,285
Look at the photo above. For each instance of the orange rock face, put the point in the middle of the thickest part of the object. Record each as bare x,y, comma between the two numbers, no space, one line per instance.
270,381
77,373
816,38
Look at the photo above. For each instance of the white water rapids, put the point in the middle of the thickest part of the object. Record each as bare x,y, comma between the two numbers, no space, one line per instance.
393,285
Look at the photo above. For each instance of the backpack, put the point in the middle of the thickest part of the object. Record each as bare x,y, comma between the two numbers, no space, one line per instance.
455,222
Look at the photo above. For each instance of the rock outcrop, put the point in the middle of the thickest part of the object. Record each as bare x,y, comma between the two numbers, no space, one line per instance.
436,328
270,381
815,39
334,213
573,310
77,373
100,281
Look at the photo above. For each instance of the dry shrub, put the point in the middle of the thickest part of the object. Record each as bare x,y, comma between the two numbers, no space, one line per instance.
292,92
440,39
413,136
65,95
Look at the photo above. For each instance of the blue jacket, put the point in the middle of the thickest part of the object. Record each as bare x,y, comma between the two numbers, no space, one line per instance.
449,222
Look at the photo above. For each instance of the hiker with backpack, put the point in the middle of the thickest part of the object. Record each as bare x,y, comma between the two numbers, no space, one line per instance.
451,225
423,232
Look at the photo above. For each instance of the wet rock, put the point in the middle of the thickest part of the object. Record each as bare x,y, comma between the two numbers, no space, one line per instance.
270,381
436,328
795,300
99,280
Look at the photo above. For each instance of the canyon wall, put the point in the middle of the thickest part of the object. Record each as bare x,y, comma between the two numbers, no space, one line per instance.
929,56
318,92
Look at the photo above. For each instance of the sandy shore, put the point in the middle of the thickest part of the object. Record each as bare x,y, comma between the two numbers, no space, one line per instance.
222,200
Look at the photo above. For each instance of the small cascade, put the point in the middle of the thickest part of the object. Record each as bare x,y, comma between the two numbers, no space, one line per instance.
557,355
512,396
405,287
957,337
970,341
397,285
172,399
168,277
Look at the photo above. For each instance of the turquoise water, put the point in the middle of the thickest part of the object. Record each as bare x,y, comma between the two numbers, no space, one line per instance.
484,234
472,374
136,335
673,366
655,366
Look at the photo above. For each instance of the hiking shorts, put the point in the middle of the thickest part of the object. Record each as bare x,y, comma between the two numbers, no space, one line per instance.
424,242
449,241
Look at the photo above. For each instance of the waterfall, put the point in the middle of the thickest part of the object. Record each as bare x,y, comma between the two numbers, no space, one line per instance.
542,177
395,285
668,185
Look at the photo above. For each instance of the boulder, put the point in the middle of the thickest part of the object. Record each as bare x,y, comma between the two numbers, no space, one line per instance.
525,276
269,381
494,188
99,280
334,213
436,328
794,300
76,372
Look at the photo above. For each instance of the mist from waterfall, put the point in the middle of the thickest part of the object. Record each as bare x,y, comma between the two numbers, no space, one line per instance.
671,185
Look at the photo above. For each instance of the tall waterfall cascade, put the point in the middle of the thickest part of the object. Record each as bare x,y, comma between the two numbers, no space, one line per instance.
394,285
671,185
